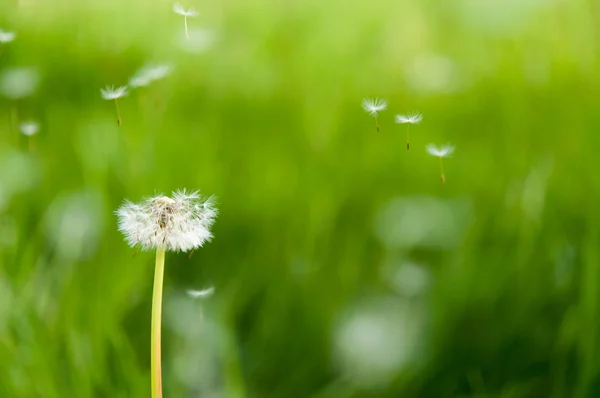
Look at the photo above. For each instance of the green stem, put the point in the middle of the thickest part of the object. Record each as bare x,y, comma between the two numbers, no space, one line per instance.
443,177
186,30
408,136
155,361
118,113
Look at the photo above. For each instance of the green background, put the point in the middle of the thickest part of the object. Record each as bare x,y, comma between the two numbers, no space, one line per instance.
343,267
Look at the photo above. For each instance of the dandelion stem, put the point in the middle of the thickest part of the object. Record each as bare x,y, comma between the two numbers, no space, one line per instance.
377,123
186,30
118,113
155,360
442,176
408,136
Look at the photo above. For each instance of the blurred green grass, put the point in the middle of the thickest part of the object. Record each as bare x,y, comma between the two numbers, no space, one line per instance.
269,120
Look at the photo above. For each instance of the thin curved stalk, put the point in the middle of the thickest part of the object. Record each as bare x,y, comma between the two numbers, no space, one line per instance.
155,350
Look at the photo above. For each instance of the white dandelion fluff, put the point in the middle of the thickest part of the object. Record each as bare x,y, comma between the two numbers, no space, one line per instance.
149,74
207,292
441,152
29,128
178,223
411,118
7,37
112,92
373,107
190,12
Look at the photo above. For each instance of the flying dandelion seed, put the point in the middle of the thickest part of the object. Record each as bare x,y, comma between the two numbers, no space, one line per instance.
373,107
111,93
190,12
178,223
444,151
411,118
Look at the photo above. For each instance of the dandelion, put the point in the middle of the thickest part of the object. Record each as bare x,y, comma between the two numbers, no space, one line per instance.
443,152
411,118
149,74
190,12
112,93
373,107
7,37
178,223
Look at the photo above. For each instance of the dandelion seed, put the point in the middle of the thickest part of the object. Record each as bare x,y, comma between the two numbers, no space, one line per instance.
29,128
209,291
373,107
7,37
190,12
149,74
442,152
411,118
178,223
112,93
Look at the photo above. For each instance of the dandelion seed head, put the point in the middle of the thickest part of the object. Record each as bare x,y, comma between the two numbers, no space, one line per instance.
190,12
29,128
411,118
207,292
7,37
112,92
178,223
373,106
442,152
